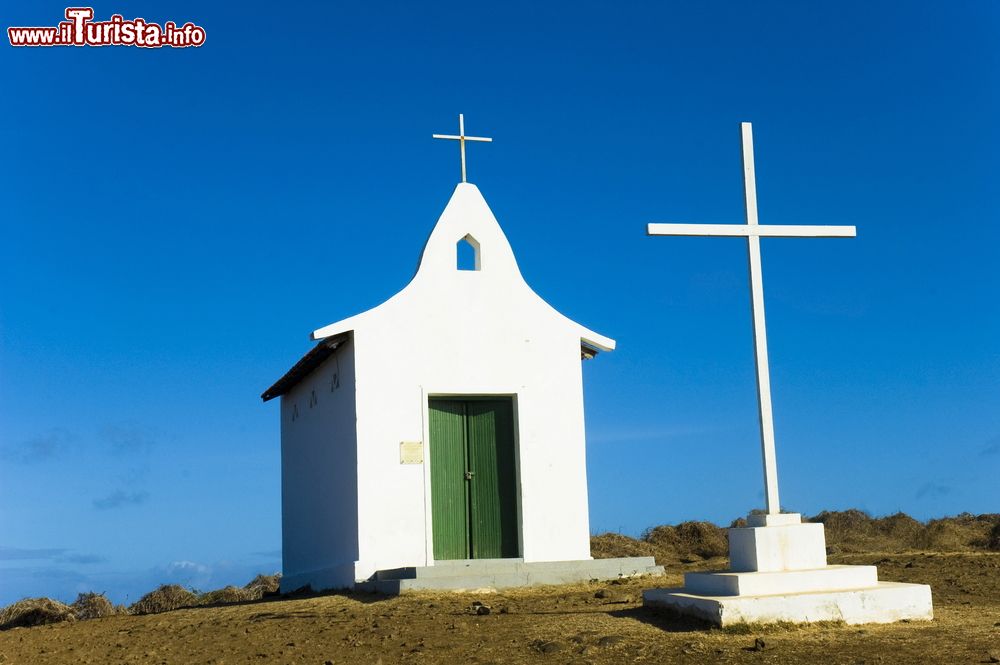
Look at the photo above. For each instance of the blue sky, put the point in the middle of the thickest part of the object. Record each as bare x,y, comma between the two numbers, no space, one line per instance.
175,222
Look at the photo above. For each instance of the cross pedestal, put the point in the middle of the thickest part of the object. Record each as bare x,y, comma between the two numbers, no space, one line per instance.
778,573
778,569
769,545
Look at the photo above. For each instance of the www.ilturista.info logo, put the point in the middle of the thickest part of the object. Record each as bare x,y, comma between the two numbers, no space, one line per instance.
81,30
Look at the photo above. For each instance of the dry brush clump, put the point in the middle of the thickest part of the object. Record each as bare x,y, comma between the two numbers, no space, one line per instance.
164,599
229,594
264,585
39,611
611,545
94,606
34,612
259,587
847,531
857,531
993,541
669,544
172,597
689,541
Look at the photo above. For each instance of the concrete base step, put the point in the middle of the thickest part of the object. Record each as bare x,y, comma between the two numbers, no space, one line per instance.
478,574
883,603
827,578
452,568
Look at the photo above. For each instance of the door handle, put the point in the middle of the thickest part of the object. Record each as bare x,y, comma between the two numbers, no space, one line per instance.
469,474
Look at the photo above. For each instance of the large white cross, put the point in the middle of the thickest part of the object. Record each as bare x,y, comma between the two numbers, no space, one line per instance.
461,138
753,232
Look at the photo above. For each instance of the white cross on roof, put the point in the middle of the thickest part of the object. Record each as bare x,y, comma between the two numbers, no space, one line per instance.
462,138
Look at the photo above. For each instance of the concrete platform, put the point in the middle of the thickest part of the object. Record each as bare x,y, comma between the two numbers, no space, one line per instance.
885,602
778,572
479,574
827,578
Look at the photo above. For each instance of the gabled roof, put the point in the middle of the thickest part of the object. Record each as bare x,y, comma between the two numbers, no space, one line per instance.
467,215
307,364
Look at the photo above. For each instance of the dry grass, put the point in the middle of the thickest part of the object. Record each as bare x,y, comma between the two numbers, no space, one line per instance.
94,606
690,541
167,597
856,531
258,588
38,611
847,531
34,612
610,545
687,542
229,594
264,585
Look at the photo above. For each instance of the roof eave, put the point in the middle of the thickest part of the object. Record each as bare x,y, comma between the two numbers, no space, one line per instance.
310,361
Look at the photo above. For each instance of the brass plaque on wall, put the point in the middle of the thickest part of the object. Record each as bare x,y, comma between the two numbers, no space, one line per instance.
411,452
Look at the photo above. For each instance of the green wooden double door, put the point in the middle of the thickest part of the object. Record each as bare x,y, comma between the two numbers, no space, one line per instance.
473,478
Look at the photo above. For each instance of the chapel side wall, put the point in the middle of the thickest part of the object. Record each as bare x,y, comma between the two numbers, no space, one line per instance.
319,481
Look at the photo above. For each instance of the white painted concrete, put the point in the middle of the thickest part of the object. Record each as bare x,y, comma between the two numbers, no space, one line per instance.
785,581
779,573
448,332
745,230
772,548
884,603
493,574
319,482
773,519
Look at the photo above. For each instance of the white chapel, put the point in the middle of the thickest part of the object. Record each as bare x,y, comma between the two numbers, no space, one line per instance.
444,427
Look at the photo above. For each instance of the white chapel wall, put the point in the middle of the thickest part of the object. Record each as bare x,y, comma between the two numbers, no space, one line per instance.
469,333
319,476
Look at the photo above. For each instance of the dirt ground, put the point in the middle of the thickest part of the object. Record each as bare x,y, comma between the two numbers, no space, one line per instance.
586,623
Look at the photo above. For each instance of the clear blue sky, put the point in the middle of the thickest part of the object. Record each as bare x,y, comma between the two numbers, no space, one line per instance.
175,222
